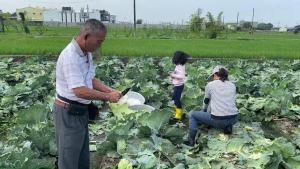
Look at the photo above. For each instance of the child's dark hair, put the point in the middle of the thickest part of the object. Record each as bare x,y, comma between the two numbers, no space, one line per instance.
223,74
180,58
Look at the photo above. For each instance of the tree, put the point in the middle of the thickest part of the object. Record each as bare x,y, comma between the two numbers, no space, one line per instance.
41,29
211,20
196,21
214,26
264,26
219,19
3,18
26,29
247,25
2,24
297,29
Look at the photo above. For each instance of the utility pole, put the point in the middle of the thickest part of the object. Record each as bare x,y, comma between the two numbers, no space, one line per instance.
252,22
66,17
62,16
88,12
134,17
1,22
252,17
237,20
199,12
71,13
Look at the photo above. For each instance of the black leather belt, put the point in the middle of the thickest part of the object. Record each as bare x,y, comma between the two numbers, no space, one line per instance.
70,101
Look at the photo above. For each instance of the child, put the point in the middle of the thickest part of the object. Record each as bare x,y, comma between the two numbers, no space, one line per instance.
178,80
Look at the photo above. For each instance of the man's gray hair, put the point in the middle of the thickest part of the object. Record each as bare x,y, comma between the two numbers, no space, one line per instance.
93,26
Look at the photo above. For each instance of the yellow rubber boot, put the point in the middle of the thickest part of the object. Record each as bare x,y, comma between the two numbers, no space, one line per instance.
178,113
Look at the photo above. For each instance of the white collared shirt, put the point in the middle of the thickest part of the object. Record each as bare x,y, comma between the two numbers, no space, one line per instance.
74,69
222,97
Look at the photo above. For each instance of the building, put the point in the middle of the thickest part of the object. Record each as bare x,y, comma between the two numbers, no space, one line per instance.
52,15
32,14
283,29
69,16
65,15
231,26
101,15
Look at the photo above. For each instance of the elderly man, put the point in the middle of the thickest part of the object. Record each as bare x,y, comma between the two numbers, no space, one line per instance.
76,86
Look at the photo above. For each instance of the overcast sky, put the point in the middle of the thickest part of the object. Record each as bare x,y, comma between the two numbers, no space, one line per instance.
278,12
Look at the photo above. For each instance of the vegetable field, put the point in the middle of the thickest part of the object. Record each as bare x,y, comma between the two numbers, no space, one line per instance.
266,137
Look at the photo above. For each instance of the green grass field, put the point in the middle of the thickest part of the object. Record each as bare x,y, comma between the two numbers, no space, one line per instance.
121,42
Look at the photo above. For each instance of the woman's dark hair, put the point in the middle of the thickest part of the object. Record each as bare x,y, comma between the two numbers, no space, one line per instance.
223,74
180,58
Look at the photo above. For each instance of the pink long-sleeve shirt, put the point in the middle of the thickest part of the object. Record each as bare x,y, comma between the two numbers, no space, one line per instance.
178,76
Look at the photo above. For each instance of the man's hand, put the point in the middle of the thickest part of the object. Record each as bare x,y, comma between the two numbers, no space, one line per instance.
114,96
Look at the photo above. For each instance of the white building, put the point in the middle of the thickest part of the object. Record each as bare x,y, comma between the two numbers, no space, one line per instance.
95,14
52,15
101,15
68,15
283,29
231,26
